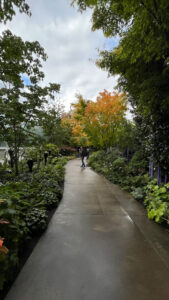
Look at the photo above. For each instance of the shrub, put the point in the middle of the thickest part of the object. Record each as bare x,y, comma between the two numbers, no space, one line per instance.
138,193
119,166
36,220
113,155
130,183
68,151
157,202
24,205
138,164
12,232
50,199
96,157
52,149
33,153
117,170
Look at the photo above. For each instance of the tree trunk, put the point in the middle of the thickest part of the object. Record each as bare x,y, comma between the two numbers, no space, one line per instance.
158,175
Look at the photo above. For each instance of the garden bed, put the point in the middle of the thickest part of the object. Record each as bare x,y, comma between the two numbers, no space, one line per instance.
134,178
27,204
24,254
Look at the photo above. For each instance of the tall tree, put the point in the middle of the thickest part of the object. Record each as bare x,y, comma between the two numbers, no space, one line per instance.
104,118
142,60
21,103
53,128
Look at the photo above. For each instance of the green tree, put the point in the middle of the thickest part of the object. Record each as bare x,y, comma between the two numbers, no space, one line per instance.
142,61
21,103
53,129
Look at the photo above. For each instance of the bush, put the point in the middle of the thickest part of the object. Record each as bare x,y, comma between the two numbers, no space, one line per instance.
52,149
12,232
36,220
68,151
33,153
157,202
119,166
138,164
96,157
133,178
138,193
60,160
24,203
113,155
117,170
130,183
50,198
37,153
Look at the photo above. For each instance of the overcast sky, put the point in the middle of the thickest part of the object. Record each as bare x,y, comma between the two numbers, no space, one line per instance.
71,47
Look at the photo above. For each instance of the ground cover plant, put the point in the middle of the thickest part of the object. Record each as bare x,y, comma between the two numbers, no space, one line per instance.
25,204
157,201
133,176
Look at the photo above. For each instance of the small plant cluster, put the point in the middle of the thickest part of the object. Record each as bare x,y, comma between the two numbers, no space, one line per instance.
133,177
24,204
157,201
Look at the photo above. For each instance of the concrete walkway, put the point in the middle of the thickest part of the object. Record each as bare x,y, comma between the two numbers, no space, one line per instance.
99,246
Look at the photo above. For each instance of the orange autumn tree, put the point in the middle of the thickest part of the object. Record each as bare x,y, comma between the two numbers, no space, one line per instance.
104,118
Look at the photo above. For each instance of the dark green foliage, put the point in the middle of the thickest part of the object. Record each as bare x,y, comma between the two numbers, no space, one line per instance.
8,9
141,60
50,199
21,104
117,170
133,178
138,163
36,220
119,165
52,149
131,182
13,232
25,203
53,130
97,156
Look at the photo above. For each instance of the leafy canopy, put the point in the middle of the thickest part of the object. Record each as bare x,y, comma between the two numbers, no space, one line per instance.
142,61
104,118
21,103
8,9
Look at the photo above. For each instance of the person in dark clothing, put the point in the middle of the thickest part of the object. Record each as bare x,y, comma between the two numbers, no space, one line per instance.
83,154
11,154
30,164
45,157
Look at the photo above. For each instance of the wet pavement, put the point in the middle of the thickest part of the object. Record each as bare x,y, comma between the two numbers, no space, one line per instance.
99,246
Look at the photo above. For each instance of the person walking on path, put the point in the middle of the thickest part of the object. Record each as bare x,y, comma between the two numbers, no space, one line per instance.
83,154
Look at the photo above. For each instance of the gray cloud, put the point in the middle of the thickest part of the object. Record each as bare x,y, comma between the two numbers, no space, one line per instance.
70,45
